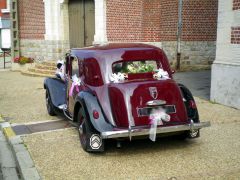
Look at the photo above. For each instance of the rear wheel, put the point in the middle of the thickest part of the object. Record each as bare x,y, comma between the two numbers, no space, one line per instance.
89,138
49,104
192,112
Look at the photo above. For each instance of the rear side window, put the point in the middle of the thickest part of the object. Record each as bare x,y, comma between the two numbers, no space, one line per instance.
133,67
75,69
92,73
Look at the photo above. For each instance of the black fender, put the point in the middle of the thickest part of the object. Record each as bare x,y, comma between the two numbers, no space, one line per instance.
90,103
57,90
187,95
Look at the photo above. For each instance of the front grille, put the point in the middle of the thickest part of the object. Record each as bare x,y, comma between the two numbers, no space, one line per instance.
146,111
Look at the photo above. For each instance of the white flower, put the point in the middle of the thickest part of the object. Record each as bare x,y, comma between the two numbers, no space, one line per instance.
161,74
119,77
76,80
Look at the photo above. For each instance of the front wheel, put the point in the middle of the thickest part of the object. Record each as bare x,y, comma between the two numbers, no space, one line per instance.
89,138
49,104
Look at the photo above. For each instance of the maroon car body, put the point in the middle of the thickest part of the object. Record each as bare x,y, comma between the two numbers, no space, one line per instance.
106,109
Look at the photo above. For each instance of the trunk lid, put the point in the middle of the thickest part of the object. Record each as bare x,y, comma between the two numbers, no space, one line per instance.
129,102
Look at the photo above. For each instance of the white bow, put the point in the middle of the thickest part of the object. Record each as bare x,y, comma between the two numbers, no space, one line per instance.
157,117
76,80
116,78
161,74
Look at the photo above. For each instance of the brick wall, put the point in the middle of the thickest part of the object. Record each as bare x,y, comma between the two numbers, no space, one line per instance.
200,20
236,4
169,15
156,20
31,19
235,35
3,5
124,20
151,21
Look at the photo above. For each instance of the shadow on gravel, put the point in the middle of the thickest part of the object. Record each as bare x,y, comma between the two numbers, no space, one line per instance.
146,146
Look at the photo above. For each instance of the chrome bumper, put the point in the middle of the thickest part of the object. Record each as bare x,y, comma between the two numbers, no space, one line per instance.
160,130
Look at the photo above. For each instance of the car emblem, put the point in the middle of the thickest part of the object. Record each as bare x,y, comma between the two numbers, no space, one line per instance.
153,92
95,141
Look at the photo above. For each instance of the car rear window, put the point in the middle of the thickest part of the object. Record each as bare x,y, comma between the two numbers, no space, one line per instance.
134,67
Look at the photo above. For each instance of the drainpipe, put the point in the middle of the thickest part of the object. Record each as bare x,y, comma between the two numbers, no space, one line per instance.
179,32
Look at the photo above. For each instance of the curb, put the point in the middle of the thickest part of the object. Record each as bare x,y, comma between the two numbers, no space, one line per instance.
24,162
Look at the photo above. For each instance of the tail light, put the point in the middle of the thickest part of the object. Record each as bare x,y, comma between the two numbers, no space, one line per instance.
95,114
192,104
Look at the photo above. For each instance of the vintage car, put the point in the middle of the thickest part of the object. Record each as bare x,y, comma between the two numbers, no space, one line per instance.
121,91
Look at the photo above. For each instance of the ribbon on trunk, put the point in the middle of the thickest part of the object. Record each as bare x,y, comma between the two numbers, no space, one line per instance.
157,117
75,84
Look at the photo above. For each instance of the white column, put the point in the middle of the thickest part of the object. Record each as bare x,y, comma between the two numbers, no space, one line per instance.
225,84
100,36
52,20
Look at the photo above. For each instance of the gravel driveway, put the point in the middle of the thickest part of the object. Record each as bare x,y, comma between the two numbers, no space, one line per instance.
22,98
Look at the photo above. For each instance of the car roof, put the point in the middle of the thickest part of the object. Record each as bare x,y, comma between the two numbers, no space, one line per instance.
102,52
112,46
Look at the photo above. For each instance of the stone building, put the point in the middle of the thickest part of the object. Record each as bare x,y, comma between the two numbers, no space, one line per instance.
225,87
48,28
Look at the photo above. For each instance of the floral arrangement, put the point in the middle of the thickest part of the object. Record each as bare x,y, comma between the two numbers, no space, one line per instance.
118,77
160,74
138,67
23,60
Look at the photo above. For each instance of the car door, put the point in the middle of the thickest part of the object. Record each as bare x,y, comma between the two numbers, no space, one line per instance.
72,89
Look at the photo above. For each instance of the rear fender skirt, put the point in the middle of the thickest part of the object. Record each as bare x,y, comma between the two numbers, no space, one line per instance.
90,102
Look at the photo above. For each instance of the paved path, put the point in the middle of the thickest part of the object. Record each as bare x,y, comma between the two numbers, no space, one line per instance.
7,64
198,82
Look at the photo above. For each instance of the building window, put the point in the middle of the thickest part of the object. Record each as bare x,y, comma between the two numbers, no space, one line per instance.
236,4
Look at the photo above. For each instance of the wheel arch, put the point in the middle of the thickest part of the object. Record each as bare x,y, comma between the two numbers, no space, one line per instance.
90,103
187,95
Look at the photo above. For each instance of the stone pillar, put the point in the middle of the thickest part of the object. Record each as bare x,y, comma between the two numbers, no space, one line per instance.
56,28
100,36
225,86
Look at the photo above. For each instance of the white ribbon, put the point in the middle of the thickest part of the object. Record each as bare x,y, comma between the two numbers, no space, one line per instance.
161,74
157,117
76,82
116,78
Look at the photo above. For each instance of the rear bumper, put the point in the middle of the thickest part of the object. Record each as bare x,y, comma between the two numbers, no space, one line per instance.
145,131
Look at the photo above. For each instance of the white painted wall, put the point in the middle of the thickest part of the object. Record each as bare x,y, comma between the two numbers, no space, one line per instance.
53,20
225,85
6,38
100,36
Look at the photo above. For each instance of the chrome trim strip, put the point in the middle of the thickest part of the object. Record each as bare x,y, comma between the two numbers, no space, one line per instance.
160,130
